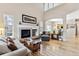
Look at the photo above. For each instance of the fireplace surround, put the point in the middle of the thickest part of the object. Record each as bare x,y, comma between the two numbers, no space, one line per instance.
25,33
31,29
28,33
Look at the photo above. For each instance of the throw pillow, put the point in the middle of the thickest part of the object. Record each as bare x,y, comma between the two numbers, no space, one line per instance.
10,43
3,48
12,46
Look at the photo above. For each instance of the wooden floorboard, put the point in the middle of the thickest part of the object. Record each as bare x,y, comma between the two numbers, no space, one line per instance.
59,48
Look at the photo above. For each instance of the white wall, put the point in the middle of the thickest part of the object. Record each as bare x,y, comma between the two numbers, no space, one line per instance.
70,19
74,15
16,10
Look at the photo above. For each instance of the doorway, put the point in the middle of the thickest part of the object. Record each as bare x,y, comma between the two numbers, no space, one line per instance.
77,27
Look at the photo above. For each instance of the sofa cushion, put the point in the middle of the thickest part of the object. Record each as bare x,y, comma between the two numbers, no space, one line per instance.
2,39
12,46
20,52
18,44
10,43
4,48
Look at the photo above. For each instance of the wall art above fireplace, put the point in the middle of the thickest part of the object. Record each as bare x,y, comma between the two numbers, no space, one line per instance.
29,19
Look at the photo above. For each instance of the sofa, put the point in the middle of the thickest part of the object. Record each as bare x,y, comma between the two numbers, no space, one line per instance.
21,51
45,37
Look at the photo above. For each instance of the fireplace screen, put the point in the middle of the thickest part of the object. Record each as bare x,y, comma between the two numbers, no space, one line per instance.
25,33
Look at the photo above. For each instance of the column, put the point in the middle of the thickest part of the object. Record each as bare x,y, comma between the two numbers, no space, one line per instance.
65,28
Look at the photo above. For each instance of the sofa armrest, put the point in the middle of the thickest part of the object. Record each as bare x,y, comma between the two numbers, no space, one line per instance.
20,52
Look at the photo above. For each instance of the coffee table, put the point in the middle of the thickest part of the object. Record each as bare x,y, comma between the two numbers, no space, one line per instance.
34,44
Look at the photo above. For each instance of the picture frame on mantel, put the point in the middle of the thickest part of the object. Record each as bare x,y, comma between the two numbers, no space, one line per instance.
29,19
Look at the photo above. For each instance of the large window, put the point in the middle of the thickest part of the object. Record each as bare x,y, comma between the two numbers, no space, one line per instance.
48,6
9,25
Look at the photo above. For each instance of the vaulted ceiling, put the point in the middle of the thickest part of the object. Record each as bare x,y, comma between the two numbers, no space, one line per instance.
61,10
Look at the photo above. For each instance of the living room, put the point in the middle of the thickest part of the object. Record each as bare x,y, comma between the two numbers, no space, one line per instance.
35,27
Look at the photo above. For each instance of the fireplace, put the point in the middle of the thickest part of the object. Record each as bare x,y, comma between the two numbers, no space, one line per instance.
25,33
28,33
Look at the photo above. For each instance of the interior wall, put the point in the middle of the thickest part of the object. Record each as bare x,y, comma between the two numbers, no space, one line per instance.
16,10
70,19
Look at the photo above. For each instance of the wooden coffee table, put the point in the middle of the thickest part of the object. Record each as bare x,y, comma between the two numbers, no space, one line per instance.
34,44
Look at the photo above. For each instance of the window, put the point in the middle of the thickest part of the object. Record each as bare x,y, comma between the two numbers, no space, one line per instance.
8,25
48,6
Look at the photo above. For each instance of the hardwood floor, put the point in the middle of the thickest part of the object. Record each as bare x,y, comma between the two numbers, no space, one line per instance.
59,48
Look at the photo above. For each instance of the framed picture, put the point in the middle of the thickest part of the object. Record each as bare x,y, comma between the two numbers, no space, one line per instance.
71,26
29,19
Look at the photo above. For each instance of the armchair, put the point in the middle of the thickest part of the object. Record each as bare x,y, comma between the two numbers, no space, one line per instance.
45,37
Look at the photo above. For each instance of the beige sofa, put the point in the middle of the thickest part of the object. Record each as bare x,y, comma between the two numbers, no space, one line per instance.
20,52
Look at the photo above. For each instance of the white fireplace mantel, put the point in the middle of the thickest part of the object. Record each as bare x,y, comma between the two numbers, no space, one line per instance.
28,26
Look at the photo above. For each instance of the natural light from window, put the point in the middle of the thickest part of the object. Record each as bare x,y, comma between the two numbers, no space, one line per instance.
48,6
53,23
